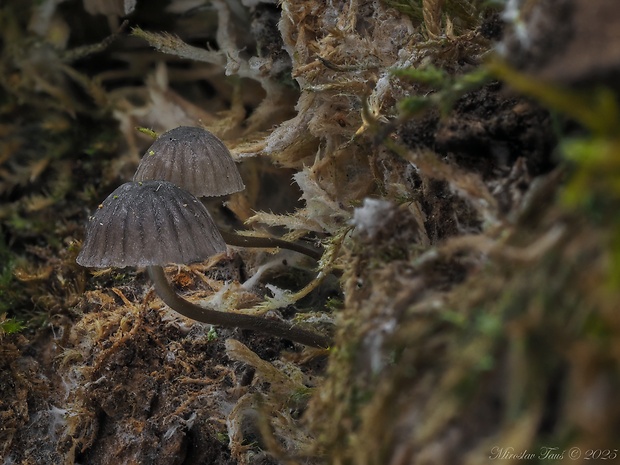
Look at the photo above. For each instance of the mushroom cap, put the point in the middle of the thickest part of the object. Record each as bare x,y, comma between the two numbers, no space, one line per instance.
193,159
149,223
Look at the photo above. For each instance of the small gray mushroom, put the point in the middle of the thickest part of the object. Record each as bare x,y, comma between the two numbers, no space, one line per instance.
199,162
149,223
155,223
193,159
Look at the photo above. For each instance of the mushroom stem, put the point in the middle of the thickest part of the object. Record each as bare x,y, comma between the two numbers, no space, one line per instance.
276,328
267,242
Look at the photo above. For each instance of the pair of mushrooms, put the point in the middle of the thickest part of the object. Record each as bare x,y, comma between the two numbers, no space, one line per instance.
153,222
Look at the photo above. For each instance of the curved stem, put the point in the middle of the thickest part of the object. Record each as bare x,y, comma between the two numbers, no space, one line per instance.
267,242
276,328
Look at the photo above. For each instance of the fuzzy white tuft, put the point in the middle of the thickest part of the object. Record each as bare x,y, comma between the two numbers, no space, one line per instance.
370,218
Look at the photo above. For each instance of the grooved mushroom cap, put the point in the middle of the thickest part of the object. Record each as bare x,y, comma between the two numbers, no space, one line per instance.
149,223
193,159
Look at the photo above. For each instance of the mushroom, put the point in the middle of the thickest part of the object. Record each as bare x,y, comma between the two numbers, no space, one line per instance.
193,159
155,223
198,161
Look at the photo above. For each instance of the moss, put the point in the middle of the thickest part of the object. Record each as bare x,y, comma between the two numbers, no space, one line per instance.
9,325
447,89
